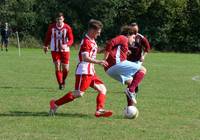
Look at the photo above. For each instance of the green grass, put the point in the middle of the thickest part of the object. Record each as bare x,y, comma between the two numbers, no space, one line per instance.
169,101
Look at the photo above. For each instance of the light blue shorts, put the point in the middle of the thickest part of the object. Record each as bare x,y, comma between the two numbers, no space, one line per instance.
123,71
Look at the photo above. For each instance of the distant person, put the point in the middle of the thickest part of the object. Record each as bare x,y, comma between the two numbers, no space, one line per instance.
60,37
85,73
139,48
5,33
119,68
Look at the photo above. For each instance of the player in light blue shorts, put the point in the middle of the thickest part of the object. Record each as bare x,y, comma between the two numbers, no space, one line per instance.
119,68
123,71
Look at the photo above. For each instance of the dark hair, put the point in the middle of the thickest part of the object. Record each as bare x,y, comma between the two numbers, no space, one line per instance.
127,30
134,24
95,24
59,14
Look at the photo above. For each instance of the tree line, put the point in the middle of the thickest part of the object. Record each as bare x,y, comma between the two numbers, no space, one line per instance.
169,25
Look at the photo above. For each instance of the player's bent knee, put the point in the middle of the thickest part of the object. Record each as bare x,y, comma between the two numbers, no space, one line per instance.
143,69
78,93
65,67
57,65
102,89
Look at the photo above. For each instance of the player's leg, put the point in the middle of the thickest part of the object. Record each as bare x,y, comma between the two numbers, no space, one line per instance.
123,72
65,65
129,101
6,44
54,104
131,96
59,74
138,77
58,71
137,88
81,84
68,97
133,84
65,71
98,85
2,44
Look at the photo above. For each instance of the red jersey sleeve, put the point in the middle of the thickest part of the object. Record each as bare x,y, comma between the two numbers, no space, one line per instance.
48,36
70,36
116,41
146,44
86,46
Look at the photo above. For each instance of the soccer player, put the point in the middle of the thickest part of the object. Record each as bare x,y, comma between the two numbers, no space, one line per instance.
139,49
5,33
60,37
119,68
85,73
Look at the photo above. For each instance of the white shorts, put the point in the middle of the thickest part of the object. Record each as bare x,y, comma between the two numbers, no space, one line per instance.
123,71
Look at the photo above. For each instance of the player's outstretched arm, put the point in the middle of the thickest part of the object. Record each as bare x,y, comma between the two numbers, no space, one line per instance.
47,39
146,48
86,58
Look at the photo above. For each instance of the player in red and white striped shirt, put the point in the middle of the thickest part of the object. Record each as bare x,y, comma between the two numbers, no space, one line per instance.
85,73
60,37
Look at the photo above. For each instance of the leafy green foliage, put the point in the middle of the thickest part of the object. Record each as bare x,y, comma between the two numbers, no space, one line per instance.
169,25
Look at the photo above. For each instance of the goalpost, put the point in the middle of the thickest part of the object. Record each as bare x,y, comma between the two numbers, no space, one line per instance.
18,44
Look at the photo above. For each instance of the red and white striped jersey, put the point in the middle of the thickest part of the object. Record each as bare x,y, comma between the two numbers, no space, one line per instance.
59,38
90,47
118,49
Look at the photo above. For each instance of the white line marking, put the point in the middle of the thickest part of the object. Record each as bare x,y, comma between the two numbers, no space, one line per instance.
196,78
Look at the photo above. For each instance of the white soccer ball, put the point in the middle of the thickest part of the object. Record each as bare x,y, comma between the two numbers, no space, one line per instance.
131,112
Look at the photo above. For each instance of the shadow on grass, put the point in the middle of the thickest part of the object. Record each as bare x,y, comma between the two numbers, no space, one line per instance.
37,88
46,88
43,114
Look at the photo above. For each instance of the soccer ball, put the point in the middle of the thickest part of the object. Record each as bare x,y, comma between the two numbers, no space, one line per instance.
131,112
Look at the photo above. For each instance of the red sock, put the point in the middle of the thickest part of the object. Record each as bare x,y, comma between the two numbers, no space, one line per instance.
65,99
129,102
65,73
100,101
59,76
136,80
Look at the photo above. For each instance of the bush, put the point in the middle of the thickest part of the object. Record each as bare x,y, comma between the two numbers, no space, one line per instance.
30,42
25,42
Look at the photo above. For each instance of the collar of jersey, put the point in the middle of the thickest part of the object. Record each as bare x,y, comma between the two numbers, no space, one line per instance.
59,27
92,40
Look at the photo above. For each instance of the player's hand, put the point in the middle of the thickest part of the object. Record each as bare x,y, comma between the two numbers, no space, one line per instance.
63,47
103,63
142,58
45,49
129,52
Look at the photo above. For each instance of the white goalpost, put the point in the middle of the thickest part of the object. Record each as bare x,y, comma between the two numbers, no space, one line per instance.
18,44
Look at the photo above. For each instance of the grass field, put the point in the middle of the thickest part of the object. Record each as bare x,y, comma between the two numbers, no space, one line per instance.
169,101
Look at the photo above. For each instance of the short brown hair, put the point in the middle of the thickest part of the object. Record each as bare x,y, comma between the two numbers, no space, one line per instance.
95,24
134,24
59,14
127,30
